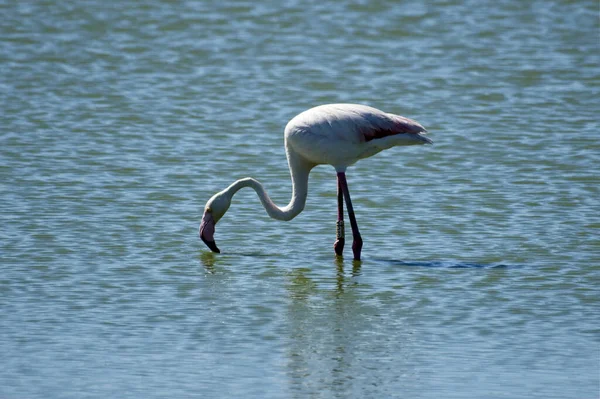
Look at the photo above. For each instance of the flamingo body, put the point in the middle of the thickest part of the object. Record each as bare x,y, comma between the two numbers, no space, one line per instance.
342,134
334,134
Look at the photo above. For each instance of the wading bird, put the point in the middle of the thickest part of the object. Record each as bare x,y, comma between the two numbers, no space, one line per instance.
334,134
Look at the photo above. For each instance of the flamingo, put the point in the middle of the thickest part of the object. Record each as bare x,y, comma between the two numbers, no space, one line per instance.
333,134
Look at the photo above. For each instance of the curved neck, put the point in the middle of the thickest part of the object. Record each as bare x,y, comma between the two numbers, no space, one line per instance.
299,171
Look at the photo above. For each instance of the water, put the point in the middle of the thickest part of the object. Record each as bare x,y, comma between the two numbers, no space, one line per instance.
481,260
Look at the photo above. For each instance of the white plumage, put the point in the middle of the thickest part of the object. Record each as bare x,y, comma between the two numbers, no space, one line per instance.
342,134
334,134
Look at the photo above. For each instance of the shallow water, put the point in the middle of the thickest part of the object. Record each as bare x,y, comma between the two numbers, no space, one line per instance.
480,268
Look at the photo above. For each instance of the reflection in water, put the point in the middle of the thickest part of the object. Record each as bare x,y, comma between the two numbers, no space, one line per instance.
341,326
208,261
340,276
332,330
301,287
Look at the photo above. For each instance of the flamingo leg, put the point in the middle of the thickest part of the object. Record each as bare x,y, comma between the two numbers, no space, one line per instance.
338,245
357,241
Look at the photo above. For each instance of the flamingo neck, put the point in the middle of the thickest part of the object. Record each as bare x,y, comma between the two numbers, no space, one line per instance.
299,171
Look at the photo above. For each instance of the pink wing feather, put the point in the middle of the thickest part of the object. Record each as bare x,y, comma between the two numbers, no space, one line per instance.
389,124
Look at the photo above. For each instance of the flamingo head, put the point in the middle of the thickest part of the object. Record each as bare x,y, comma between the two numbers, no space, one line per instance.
213,211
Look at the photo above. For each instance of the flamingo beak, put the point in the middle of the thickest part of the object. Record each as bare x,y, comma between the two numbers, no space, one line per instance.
207,231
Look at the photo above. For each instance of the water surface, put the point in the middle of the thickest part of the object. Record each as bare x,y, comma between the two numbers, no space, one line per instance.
480,268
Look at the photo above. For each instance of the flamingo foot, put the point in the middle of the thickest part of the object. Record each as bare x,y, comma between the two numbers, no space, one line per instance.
338,246
357,247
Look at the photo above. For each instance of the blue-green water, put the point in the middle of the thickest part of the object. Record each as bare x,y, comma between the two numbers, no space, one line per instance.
481,263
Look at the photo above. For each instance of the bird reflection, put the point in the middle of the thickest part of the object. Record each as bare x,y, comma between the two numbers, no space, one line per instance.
208,261
326,321
341,277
